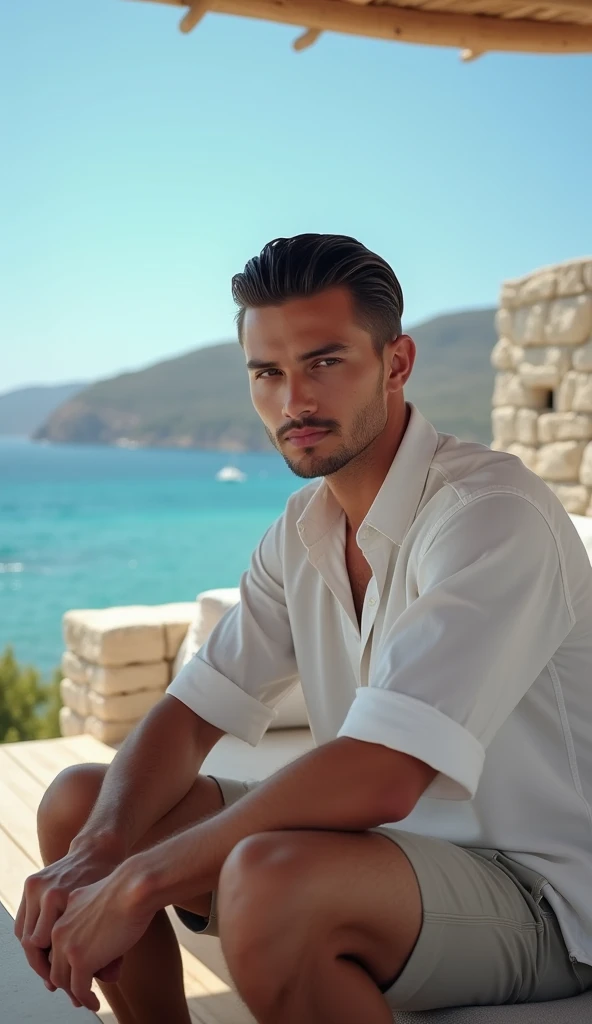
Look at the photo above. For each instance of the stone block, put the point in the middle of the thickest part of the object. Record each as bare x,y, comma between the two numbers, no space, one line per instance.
560,461
587,274
510,389
76,668
111,733
115,636
75,696
544,367
71,724
503,420
528,325
504,321
526,453
582,357
123,707
116,679
586,466
503,355
526,426
509,294
176,619
570,279
564,426
129,678
540,285
582,399
573,497
564,395
569,321
497,445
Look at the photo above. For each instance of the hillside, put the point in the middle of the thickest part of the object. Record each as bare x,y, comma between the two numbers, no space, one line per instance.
24,410
202,400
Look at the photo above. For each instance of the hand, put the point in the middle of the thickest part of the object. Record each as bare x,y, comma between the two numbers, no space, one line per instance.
45,897
99,925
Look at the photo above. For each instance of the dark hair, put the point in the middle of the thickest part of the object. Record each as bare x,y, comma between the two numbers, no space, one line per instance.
299,267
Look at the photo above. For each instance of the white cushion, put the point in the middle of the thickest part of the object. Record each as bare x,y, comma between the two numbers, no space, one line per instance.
583,525
210,606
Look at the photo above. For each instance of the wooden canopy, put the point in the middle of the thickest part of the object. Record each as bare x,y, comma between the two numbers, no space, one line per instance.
474,26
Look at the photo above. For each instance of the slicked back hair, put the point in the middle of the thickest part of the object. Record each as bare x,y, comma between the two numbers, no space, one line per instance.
302,266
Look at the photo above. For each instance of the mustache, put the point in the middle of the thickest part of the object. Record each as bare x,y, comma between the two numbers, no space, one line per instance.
312,424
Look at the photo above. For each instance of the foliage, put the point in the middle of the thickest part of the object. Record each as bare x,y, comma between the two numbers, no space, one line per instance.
29,707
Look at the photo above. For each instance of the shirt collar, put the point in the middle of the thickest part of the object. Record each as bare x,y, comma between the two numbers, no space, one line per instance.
395,506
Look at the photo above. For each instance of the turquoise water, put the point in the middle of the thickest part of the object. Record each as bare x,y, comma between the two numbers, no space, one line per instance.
85,527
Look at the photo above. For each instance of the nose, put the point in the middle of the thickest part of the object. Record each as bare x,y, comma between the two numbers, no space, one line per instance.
298,400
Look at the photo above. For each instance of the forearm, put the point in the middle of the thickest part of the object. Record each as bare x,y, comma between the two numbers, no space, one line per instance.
345,785
154,769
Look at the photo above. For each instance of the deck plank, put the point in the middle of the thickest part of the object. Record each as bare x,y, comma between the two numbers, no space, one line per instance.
26,769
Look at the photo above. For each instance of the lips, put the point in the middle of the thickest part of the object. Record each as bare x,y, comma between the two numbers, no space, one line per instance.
305,440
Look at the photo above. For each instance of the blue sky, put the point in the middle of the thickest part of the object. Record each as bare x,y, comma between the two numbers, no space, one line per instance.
141,168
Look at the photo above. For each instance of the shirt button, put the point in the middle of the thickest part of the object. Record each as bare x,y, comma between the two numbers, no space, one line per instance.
373,601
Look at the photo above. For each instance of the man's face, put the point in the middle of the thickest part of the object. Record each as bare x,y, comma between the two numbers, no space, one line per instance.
316,381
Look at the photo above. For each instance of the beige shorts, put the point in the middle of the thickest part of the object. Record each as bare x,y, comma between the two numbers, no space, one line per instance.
488,935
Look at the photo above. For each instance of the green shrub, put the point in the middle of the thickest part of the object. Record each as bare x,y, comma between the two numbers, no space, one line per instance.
29,707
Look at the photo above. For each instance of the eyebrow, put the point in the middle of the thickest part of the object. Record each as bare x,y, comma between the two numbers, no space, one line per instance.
326,350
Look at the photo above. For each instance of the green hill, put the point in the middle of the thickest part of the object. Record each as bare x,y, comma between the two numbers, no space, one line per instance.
201,399
24,410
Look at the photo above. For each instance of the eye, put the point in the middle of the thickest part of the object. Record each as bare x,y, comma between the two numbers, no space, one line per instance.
259,376
330,361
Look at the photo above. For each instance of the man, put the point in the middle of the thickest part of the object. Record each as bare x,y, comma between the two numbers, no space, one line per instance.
435,600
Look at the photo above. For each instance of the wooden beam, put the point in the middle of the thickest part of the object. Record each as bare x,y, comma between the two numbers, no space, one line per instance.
308,38
478,33
197,10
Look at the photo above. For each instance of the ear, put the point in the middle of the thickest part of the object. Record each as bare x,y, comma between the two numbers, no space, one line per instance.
400,357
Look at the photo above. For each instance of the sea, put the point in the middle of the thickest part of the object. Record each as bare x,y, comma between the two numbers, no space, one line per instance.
92,527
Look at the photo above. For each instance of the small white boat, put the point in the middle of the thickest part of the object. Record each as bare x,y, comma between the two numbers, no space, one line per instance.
231,475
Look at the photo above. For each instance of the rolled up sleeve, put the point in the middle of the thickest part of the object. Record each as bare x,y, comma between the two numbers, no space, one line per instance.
491,610
247,664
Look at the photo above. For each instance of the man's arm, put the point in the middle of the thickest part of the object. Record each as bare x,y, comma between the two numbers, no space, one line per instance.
155,768
345,785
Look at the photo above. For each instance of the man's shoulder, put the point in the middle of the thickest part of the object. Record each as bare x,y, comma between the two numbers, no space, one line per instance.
467,470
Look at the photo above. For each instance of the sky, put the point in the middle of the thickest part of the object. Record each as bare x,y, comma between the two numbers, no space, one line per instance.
141,168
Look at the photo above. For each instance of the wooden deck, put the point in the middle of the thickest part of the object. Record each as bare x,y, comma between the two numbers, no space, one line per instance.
26,769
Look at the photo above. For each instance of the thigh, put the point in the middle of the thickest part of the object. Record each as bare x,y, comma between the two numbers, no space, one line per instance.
487,938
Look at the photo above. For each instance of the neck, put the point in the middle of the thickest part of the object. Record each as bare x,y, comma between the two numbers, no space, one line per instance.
356,485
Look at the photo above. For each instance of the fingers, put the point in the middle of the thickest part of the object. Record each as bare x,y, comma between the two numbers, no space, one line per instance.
81,981
60,976
52,907
19,921
38,958
112,972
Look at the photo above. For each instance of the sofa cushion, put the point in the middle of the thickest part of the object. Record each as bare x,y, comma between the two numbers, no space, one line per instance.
562,1011
210,606
583,525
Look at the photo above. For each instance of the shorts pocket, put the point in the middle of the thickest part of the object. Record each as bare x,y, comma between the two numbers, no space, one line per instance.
532,881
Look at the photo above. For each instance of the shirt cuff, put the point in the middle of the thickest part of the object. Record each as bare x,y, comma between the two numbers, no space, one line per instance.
221,702
413,727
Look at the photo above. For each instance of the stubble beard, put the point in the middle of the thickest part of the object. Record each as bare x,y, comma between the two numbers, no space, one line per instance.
370,421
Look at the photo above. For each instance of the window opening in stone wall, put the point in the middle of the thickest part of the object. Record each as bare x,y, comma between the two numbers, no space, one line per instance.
549,400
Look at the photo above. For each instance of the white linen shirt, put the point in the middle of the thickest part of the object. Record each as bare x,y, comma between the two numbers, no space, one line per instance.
474,652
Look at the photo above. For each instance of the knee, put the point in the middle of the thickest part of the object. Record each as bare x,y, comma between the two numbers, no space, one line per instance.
255,889
260,910
66,805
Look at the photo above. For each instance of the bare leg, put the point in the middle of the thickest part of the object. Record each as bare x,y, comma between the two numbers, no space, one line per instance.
150,989
314,925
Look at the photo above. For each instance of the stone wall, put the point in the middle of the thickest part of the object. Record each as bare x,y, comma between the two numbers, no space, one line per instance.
117,665
542,401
